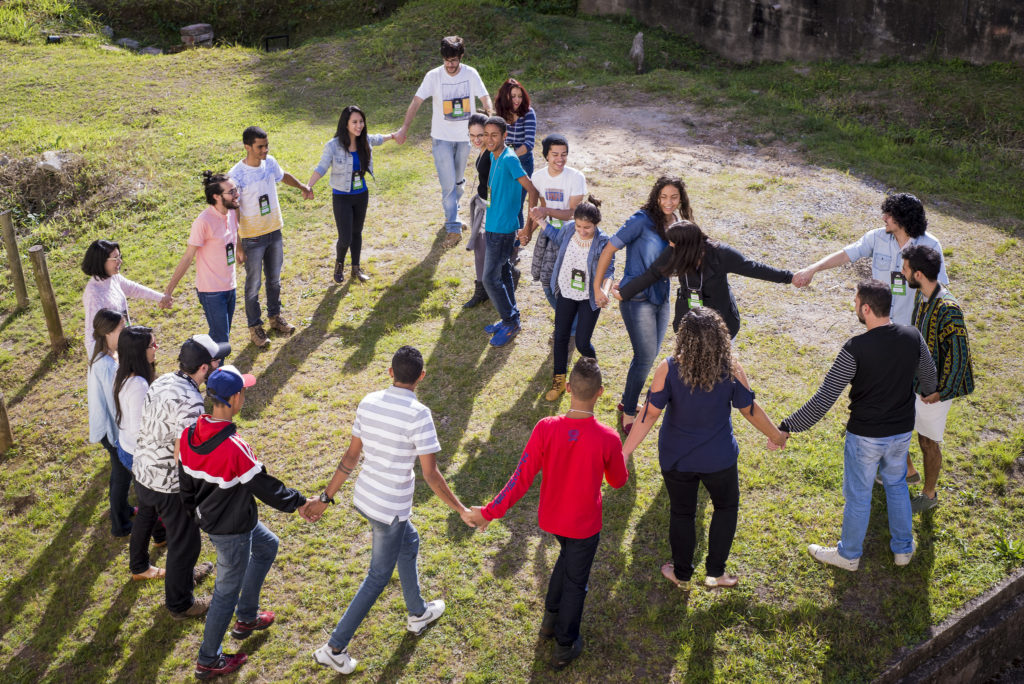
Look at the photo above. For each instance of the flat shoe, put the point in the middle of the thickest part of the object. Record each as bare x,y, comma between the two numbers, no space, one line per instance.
669,571
153,573
723,582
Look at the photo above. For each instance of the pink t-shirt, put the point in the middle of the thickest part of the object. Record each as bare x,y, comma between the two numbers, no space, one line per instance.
212,233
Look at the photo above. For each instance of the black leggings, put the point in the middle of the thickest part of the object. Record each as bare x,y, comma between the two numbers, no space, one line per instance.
724,488
349,215
566,311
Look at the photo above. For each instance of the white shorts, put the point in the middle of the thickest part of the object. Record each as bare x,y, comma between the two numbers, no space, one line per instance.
930,419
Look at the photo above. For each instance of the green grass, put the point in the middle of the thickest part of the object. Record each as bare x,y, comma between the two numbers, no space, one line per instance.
67,612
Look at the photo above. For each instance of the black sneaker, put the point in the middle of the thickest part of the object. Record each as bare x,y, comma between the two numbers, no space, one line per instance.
566,654
225,663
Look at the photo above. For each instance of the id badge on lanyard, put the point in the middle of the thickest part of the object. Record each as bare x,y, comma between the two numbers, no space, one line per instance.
264,205
897,283
578,281
230,249
693,299
357,181
555,223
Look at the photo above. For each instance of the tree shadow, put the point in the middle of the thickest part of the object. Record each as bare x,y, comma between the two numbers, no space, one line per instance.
12,317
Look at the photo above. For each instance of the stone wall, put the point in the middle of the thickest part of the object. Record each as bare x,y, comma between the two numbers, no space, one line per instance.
978,31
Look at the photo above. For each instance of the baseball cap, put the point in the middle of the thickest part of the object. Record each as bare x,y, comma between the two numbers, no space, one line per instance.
226,382
200,349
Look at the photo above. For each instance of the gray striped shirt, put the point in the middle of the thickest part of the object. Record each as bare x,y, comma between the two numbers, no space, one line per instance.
395,430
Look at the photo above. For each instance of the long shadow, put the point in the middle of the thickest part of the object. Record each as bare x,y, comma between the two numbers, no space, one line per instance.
399,660
11,317
45,366
152,648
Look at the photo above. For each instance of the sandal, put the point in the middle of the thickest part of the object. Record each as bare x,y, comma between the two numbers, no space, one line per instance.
153,573
723,582
669,571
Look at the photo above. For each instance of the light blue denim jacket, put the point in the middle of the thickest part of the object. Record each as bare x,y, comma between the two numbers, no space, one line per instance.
339,160
561,237
644,245
100,393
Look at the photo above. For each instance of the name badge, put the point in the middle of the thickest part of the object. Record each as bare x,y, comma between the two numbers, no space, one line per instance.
230,249
693,298
898,284
357,181
555,223
264,205
578,280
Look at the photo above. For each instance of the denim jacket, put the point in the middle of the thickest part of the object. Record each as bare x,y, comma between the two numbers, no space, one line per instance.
644,247
561,237
340,161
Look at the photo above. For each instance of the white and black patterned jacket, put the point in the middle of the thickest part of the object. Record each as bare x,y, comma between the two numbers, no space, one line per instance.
173,403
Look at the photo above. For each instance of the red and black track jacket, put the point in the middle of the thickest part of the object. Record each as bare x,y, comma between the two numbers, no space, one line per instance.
220,476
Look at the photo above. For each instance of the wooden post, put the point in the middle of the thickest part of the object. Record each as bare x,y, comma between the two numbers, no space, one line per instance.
14,261
49,301
6,438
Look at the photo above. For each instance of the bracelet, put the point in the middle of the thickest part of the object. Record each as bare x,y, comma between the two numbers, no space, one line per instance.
345,469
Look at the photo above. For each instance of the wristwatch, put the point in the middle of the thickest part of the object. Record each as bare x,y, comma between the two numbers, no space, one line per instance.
326,499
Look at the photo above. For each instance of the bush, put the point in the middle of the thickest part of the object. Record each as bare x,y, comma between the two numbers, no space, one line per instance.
26,21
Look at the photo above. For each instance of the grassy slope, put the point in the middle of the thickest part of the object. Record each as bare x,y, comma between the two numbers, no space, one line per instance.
66,612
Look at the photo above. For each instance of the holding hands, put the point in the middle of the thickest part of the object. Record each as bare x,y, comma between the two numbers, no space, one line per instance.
474,518
779,442
803,278
932,398
166,302
312,510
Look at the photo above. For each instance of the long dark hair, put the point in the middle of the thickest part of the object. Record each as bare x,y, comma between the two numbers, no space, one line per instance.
103,323
503,100
362,142
691,244
653,209
131,360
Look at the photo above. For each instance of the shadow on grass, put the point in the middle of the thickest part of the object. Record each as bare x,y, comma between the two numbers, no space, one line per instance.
152,648
45,366
399,659
11,317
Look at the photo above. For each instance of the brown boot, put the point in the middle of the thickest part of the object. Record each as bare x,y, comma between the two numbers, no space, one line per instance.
359,274
258,336
557,388
280,325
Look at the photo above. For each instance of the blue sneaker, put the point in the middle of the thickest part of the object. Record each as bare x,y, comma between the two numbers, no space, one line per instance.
492,328
505,334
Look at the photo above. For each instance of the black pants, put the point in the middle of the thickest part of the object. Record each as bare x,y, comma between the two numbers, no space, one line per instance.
566,310
349,215
724,488
147,525
567,589
120,482
183,545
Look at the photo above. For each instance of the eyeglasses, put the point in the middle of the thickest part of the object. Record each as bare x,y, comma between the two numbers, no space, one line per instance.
232,191
117,258
153,345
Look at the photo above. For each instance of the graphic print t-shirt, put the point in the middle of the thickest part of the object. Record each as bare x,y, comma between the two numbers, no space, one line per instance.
558,190
259,212
454,99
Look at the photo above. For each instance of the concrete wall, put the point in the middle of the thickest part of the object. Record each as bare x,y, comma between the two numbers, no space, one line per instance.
979,31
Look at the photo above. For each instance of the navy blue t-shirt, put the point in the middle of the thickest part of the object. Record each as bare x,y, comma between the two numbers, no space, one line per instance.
696,428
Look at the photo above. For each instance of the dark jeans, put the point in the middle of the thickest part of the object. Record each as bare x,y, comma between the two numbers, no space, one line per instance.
724,488
567,589
120,482
219,308
264,255
527,161
183,546
567,312
349,215
498,275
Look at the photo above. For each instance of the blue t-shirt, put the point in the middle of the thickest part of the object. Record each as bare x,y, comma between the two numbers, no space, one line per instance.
696,430
506,193
358,185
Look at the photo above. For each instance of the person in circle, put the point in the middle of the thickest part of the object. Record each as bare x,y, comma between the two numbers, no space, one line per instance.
513,105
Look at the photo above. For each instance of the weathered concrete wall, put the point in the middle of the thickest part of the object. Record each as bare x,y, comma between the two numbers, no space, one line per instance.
979,31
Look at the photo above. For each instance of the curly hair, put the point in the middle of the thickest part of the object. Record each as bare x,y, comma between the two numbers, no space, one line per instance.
653,209
703,350
503,100
908,212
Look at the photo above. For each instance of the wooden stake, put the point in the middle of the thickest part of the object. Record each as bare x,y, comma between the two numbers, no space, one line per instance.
13,259
6,438
47,298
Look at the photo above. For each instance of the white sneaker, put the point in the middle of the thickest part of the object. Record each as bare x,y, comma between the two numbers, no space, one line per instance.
416,625
829,555
904,558
342,662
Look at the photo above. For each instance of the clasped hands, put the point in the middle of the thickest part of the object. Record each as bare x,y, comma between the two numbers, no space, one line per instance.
474,518
775,446
312,509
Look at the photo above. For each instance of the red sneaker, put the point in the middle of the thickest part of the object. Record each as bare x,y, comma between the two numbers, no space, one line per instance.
242,630
225,663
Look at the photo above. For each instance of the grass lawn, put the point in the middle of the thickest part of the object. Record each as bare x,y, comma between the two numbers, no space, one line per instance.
787,163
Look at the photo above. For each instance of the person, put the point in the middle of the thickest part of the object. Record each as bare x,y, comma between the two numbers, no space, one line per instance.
213,244
939,319
506,178
477,243
512,103
574,453
260,244
702,266
392,429
905,225
221,478
350,157
646,314
106,327
108,289
136,351
696,386
879,365
580,244
454,87
173,402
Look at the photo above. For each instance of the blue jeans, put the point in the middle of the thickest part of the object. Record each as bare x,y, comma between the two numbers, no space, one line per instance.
497,276
527,161
862,458
567,588
243,561
450,161
553,301
646,324
263,254
219,308
394,544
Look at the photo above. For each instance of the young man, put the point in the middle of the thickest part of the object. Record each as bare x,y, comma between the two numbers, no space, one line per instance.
938,318
880,366
392,429
905,225
507,179
575,453
213,243
221,479
478,208
173,402
260,246
454,88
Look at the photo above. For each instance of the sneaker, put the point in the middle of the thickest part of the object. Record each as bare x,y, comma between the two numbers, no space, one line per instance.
280,325
201,572
416,625
904,558
452,239
492,328
505,334
339,662
829,555
566,654
923,502
242,630
197,609
258,336
547,626
225,663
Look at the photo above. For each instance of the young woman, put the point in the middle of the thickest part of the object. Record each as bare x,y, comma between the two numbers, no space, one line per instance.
580,245
136,350
108,289
478,208
646,314
702,266
349,157
513,105
696,387
106,328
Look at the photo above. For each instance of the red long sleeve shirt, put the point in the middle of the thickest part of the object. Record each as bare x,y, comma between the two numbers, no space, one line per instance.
575,455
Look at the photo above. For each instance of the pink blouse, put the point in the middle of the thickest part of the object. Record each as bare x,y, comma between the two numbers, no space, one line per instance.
111,293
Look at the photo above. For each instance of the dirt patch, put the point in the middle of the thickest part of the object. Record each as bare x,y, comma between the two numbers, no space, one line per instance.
16,505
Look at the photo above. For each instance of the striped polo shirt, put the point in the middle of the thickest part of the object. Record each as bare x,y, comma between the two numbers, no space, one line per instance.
395,430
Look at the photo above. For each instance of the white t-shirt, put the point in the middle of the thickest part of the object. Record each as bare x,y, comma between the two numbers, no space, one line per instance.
454,100
259,211
132,398
557,191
